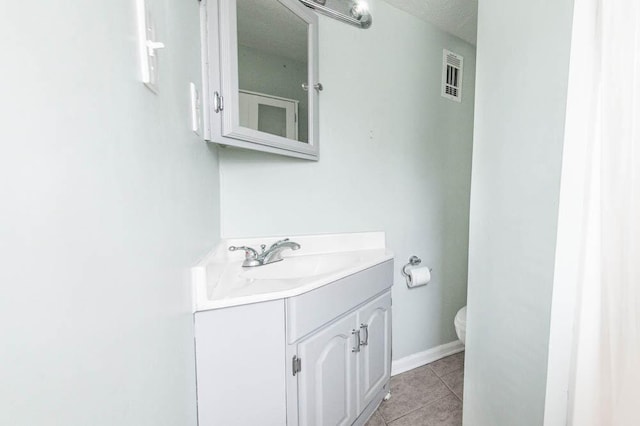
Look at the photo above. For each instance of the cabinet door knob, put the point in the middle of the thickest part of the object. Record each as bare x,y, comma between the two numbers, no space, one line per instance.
356,333
365,327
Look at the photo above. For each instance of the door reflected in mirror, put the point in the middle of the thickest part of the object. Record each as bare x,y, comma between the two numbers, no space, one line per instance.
272,68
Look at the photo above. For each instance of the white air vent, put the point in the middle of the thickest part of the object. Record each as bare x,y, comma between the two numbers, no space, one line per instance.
451,75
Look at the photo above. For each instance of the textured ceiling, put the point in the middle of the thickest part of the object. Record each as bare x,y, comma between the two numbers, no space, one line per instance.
458,17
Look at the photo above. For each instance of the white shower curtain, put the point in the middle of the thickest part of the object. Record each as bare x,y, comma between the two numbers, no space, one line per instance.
606,359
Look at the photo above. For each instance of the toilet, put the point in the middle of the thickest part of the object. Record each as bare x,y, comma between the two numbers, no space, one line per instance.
460,323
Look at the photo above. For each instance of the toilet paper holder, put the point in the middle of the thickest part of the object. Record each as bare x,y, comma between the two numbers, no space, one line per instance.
413,261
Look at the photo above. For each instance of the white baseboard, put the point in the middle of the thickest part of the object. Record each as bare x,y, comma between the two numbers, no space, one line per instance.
422,358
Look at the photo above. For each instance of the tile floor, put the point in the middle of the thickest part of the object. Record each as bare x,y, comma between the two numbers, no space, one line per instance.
430,395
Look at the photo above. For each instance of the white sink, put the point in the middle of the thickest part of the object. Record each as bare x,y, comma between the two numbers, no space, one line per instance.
220,281
301,267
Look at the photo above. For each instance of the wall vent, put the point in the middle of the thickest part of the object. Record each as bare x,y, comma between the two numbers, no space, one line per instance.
451,75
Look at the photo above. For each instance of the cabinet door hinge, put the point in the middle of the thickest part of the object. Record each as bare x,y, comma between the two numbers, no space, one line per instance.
296,365
218,102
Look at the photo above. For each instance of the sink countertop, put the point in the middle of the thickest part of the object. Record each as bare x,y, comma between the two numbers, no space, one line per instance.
220,281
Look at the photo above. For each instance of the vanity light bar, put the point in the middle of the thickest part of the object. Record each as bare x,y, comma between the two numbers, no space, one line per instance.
360,16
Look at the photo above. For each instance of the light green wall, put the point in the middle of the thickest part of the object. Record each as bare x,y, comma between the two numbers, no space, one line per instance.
522,74
394,156
265,73
107,199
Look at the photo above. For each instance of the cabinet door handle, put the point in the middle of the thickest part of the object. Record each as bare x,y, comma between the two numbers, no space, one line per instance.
317,86
365,327
218,102
356,333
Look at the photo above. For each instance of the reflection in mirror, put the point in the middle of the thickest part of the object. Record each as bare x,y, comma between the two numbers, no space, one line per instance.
272,67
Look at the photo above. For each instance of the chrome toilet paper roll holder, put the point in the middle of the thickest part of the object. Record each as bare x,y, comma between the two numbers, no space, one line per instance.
413,262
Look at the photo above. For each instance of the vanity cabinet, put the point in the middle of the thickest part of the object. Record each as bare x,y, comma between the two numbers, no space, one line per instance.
347,363
317,359
327,388
375,357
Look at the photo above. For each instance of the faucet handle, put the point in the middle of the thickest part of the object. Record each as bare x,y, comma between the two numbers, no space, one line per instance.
249,253
263,247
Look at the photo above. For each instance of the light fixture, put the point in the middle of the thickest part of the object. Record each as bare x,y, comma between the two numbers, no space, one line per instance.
349,11
360,11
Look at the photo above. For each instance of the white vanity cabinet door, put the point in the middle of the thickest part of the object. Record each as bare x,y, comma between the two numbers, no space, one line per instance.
328,380
375,357
240,371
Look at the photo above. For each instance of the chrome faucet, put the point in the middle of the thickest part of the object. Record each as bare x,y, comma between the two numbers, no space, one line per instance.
266,256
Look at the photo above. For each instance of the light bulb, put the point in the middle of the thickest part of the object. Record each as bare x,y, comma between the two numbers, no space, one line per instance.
359,9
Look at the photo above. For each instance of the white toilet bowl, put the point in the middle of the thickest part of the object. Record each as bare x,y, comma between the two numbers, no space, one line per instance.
460,323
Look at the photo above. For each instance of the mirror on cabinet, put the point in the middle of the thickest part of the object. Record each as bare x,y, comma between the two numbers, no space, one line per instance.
260,75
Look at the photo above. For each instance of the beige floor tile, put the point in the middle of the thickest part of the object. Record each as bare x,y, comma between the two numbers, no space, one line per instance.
455,382
446,411
376,420
447,365
412,390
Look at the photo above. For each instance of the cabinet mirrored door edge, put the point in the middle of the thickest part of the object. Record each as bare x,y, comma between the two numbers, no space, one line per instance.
244,43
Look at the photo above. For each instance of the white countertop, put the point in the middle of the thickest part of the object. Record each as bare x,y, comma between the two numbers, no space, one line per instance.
220,281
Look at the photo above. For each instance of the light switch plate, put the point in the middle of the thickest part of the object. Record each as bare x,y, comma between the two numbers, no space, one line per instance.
148,45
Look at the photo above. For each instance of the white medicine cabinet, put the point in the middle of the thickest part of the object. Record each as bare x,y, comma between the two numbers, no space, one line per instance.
260,75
